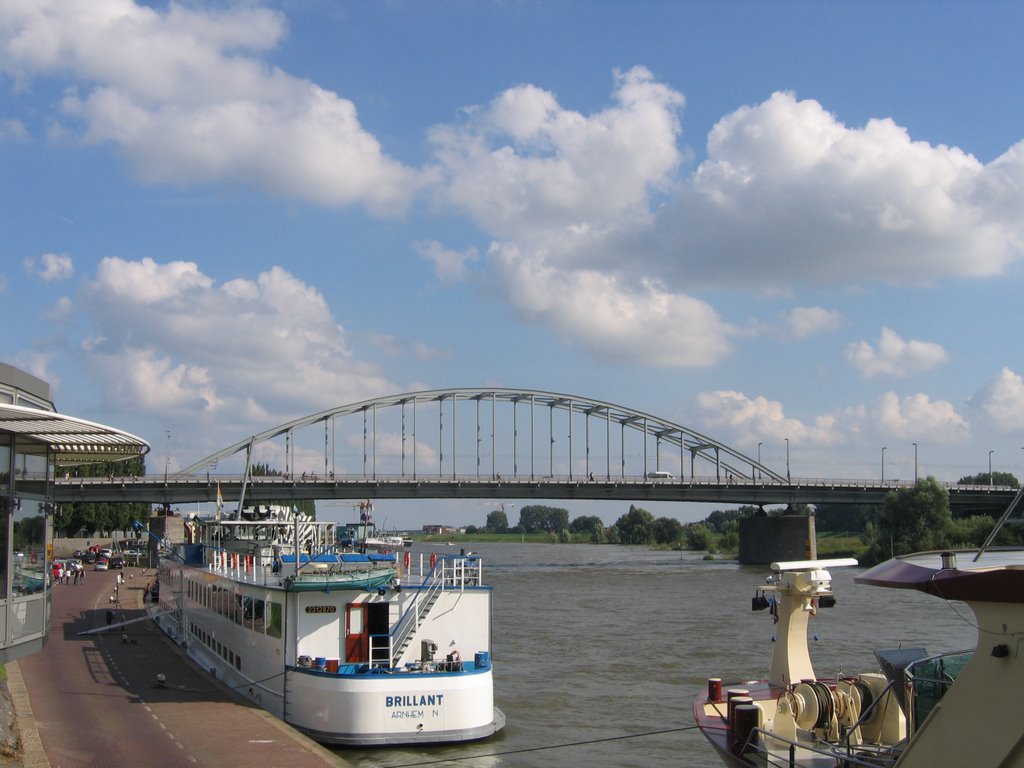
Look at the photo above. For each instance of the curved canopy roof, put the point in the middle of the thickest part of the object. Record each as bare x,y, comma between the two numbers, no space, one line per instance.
73,441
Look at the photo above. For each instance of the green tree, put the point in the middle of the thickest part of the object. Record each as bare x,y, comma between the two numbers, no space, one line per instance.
589,527
69,519
700,537
998,478
586,524
667,530
535,517
844,518
636,526
497,521
912,519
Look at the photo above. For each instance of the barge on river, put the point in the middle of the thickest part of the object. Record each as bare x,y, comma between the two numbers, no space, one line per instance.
353,649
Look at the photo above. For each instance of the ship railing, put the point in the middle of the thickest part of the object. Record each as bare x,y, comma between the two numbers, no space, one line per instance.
243,566
774,751
445,572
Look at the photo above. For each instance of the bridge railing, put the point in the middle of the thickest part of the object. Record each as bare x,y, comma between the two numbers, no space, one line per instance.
521,480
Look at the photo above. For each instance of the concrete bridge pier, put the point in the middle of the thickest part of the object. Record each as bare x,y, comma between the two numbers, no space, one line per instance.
765,539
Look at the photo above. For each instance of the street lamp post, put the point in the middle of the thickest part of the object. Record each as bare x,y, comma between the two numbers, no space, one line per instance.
915,463
883,463
167,453
787,461
759,460
990,468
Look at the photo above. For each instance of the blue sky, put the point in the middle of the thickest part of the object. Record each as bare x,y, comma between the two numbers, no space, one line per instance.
761,220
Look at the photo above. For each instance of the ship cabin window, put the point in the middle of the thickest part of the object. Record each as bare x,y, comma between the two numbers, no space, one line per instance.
274,619
258,612
263,616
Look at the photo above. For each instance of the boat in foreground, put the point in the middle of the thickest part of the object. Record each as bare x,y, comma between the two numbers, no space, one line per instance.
353,649
959,708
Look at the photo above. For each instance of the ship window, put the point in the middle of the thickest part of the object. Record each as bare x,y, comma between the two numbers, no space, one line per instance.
274,619
930,679
247,612
257,616
238,663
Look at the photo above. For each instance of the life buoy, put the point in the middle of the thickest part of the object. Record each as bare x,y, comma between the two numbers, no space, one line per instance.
433,560
408,560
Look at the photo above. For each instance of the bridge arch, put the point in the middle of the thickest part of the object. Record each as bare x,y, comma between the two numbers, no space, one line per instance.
465,432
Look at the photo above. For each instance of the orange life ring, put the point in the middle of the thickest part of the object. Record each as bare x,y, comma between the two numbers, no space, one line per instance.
433,560
408,560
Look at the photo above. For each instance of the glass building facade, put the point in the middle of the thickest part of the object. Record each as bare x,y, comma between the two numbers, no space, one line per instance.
35,443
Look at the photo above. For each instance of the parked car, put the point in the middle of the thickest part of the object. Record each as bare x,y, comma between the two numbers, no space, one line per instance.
102,564
89,557
116,563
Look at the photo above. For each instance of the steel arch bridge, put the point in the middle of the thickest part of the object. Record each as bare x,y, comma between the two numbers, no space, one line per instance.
488,443
495,433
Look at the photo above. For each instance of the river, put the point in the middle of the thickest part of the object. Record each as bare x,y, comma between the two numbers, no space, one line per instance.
599,651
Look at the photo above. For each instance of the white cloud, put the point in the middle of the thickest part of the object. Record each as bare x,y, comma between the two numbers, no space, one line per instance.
810,321
61,311
613,319
552,180
166,337
789,195
186,97
894,356
449,266
1001,402
51,267
13,130
525,163
752,418
916,417
913,418
394,346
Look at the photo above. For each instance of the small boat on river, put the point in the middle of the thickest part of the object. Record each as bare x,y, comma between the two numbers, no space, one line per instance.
352,648
953,709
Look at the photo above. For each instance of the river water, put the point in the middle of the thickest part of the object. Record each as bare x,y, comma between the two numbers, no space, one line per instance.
599,651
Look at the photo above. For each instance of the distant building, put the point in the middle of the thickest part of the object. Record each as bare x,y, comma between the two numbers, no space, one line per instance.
37,443
441,530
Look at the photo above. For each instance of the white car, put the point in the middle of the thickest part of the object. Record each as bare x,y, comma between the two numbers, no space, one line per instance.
660,475
102,564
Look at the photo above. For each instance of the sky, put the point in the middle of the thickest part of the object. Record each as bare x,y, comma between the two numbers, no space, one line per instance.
796,221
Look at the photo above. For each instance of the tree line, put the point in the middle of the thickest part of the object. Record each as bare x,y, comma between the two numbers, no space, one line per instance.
911,519
95,517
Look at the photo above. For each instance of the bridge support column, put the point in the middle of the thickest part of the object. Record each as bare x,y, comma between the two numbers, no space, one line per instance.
766,539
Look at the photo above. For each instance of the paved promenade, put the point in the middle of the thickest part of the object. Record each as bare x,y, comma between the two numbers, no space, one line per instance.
92,701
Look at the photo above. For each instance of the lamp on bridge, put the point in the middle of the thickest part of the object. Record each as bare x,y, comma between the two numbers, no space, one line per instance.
883,463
